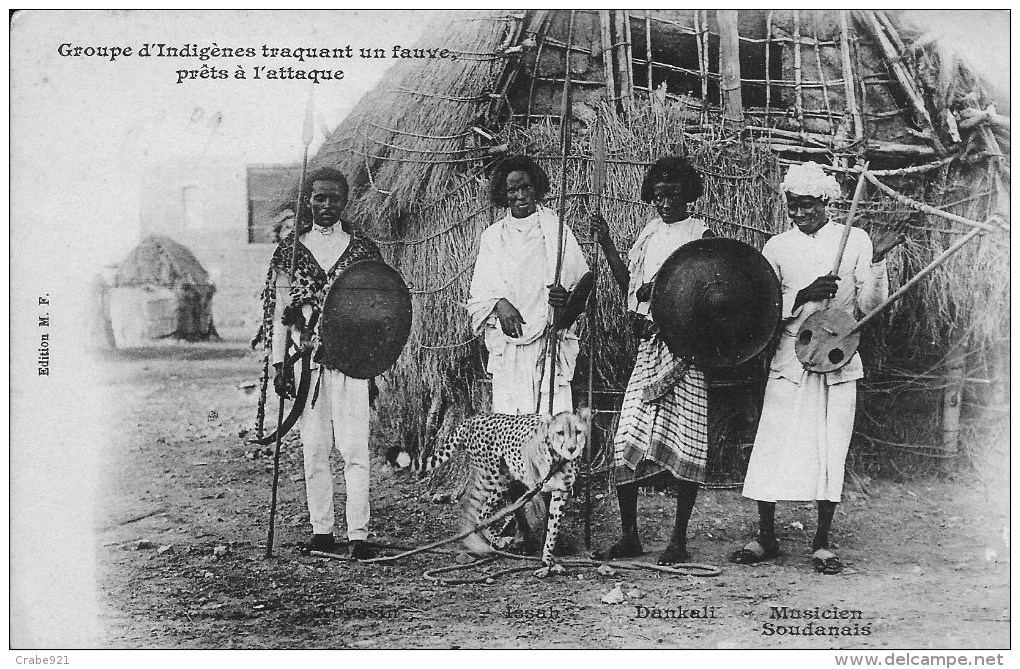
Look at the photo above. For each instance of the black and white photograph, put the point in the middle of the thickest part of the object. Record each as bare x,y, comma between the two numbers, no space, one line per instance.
482,329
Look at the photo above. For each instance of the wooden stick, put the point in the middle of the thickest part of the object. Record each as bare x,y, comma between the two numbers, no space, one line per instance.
768,66
798,105
704,59
848,77
729,64
917,277
607,52
598,188
306,138
702,65
821,75
623,62
928,209
850,219
565,153
538,57
906,82
648,49
630,53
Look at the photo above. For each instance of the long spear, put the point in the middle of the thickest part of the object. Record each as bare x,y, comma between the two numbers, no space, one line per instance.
599,187
565,153
306,138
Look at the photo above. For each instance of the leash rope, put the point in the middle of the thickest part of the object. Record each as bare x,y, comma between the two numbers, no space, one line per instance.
681,569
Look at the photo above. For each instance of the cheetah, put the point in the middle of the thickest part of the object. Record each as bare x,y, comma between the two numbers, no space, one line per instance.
505,450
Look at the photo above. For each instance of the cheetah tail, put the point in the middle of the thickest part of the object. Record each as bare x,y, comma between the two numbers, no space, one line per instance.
446,451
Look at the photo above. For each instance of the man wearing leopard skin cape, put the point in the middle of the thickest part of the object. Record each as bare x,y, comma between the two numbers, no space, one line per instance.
338,412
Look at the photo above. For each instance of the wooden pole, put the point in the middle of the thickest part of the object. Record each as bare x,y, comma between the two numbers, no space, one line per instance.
850,219
952,397
821,74
598,188
905,81
917,277
699,37
768,66
729,65
648,51
848,75
306,138
607,53
629,45
552,347
798,105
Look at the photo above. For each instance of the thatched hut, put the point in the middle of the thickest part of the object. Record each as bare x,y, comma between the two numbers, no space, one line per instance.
742,94
161,290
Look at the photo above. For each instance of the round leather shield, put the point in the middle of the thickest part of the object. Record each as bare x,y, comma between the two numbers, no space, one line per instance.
366,319
717,302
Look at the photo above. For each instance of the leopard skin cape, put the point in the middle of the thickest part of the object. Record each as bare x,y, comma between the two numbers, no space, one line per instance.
309,283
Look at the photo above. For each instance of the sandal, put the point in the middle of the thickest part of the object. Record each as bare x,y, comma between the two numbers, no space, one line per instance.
673,554
826,562
756,551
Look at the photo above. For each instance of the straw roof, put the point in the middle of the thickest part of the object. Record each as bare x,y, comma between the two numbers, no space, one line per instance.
159,260
838,87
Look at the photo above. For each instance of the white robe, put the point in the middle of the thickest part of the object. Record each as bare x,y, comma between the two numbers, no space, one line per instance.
517,261
654,244
808,418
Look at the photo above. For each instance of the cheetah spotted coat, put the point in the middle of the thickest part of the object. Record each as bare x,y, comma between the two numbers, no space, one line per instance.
504,449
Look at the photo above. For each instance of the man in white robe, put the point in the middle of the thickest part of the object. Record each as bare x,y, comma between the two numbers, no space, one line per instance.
514,293
807,418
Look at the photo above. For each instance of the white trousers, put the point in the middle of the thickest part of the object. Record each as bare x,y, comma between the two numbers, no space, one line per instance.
339,418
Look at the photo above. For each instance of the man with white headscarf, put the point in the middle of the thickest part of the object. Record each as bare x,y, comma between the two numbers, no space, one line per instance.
807,418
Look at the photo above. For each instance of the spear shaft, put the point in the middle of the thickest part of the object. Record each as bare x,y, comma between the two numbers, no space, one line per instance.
562,210
306,138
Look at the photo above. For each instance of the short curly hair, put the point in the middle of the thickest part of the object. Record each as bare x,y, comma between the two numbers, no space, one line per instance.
539,179
672,169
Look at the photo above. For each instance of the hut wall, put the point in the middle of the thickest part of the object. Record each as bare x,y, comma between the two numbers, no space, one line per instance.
418,147
141,314
202,203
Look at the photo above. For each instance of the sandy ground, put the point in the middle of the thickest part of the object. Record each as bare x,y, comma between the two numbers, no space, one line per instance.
182,522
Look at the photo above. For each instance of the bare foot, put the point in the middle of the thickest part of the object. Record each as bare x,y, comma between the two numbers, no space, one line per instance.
628,546
674,554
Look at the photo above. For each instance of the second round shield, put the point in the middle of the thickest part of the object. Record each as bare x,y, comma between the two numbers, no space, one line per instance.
717,302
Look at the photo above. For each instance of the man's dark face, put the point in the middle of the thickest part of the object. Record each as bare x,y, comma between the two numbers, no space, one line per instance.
807,212
670,201
327,202
520,193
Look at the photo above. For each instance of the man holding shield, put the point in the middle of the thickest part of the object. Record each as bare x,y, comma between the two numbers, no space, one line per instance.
338,412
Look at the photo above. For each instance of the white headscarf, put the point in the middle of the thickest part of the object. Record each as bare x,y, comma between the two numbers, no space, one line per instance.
810,179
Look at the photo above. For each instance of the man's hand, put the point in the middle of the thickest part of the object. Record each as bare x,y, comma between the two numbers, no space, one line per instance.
558,296
509,318
644,293
283,381
822,288
883,242
599,227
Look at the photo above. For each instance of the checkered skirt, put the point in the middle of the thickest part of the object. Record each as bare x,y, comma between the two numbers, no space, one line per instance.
669,433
